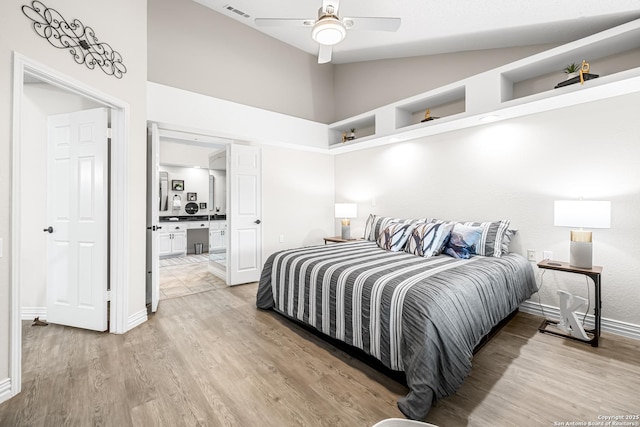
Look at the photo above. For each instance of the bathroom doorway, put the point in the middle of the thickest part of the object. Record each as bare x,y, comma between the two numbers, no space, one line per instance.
187,207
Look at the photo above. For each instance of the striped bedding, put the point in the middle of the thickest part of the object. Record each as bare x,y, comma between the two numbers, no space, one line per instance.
423,316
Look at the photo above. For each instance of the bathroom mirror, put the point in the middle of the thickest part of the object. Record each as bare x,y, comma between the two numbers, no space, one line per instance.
164,191
210,191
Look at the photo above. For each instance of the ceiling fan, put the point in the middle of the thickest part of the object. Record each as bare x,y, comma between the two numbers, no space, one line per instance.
329,29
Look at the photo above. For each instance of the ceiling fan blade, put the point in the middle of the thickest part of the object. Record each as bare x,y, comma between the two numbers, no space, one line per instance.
333,4
324,54
277,22
372,24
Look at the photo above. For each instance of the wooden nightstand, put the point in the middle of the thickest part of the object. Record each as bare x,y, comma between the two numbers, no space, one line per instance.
594,273
338,239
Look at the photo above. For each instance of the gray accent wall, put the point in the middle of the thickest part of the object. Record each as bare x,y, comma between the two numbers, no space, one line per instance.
364,86
195,48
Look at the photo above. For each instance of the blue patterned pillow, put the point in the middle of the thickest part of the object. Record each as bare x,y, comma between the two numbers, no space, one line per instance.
493,241
427,240
463,241
394,236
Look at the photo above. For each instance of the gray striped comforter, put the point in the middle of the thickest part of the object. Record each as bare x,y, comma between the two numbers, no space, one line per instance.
423,316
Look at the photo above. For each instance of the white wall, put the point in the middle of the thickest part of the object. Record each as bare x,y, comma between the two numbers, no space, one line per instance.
123,25
515,170
297,184
40,101
185,154
297,198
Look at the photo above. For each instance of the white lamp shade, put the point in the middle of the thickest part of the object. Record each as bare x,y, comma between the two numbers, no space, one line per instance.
328,31
582,213
346,210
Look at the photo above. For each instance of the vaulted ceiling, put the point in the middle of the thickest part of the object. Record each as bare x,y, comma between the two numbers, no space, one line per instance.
438,26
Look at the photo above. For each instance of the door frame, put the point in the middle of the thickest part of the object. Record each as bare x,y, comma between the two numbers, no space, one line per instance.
187,135
118,211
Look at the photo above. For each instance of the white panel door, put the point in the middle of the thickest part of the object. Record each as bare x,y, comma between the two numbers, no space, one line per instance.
245,233
156,245
77,214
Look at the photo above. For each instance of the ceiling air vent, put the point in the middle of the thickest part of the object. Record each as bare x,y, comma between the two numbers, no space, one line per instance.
234,10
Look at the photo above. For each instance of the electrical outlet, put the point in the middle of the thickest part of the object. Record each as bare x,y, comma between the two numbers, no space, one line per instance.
282,238
547,255
531,254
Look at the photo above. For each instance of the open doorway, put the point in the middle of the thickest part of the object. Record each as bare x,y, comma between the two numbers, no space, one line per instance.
27,72
187,192
64,186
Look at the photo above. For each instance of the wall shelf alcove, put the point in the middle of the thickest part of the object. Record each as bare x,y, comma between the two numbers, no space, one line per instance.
520,88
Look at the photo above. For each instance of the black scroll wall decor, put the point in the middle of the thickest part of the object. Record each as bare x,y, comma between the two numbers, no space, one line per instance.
80,40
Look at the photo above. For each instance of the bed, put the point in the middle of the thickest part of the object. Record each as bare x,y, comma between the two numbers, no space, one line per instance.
420,315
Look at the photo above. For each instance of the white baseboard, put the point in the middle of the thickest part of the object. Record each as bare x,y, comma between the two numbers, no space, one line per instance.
608,325
30,313
5,390
136,319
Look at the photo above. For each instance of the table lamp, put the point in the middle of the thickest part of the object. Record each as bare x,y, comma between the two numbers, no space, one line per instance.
346,211
581,213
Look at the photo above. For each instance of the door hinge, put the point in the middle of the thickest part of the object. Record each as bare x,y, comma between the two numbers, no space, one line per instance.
108,295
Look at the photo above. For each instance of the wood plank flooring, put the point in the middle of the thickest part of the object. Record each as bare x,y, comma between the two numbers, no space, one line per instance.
213,359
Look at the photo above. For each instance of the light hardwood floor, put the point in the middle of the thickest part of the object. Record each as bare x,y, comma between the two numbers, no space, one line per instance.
213,359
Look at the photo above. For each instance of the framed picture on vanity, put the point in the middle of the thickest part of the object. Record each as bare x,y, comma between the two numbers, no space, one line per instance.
192,197
177,185
203,205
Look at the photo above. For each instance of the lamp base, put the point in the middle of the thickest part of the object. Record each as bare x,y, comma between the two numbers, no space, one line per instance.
581,255
346,229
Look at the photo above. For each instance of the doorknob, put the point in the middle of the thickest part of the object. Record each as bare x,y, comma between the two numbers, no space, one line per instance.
48,229
257,221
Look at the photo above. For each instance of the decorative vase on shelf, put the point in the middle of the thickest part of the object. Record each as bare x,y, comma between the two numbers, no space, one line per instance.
572,70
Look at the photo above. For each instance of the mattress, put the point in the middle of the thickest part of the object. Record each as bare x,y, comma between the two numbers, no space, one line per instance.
422,316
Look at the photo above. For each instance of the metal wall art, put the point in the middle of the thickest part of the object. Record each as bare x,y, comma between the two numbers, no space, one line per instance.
81,41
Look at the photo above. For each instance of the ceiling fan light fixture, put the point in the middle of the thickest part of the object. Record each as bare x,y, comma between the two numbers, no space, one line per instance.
328,31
